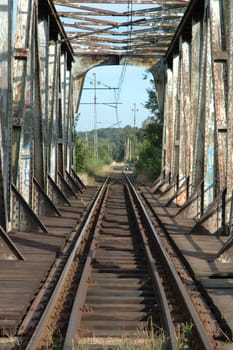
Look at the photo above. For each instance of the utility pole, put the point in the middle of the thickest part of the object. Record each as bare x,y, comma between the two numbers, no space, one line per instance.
134,116
94,82
134,133
96,155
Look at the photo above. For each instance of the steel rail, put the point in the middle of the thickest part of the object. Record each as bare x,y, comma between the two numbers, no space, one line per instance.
158,288
35,338
71,338
186,299
75,316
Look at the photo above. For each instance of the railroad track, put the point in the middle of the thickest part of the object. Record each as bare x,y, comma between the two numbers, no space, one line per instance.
118,284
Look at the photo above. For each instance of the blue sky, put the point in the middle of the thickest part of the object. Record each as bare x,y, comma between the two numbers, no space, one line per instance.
132,96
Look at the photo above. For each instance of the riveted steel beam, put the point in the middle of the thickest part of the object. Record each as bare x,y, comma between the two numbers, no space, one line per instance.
21,63
229,166
6,11
219,70
195,97
202,141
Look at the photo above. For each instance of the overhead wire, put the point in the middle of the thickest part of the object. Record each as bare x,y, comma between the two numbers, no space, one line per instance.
125,63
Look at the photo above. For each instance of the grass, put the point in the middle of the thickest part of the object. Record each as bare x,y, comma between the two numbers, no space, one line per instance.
185,337
148,339
122,343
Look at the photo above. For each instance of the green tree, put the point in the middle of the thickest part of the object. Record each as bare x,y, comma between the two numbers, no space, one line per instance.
80,154
150,148
104,153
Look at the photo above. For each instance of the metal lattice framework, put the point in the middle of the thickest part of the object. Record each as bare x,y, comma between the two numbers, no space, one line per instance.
191,59
141,28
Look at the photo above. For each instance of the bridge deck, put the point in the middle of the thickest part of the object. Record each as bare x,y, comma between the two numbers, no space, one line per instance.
20,281
199,251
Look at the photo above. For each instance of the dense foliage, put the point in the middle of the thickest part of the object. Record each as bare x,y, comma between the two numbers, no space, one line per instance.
114,144
138,147
150,149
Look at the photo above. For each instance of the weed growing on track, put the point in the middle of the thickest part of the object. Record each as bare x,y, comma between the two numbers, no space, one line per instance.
123,344
148,339
186,336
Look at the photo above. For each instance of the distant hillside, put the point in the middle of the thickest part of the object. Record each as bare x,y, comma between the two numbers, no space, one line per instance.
111,134
119,141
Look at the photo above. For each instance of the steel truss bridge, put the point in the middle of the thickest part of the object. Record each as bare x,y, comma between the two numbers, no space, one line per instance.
46,48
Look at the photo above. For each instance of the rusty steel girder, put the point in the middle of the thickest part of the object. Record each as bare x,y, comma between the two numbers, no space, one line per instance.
41,84
37,110
198,93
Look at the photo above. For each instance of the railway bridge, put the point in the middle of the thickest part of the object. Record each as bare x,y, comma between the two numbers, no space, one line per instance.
47,47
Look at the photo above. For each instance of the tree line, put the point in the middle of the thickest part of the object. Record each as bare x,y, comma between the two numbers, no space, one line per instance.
138,147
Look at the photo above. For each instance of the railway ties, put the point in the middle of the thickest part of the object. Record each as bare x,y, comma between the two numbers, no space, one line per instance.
116,296
120,296
118,284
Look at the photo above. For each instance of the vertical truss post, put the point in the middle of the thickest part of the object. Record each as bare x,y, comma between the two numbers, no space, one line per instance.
194,94
199,136
20,64
184,96
175,107
229,165
59,146
43,54
6,11
209,150
38,149
219,69
52,109
62,115
185,109
67,118
168,124
70,131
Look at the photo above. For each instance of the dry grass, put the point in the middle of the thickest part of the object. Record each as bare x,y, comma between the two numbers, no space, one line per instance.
144,340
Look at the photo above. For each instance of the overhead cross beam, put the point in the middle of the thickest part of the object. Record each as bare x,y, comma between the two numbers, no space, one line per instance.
123,28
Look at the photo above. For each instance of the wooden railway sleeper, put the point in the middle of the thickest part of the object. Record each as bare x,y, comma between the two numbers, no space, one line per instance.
46,320
158,287
201,333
